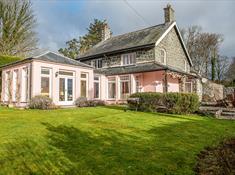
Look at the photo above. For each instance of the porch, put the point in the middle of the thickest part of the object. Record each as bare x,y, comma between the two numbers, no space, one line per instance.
119,87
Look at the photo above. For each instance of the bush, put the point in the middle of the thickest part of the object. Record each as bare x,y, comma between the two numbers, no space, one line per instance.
41,102
83,102
177,103
148,101
181,103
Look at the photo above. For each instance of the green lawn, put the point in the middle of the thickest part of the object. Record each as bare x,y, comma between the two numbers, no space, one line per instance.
104,140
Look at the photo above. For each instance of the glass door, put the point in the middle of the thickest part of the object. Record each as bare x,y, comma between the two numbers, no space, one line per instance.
66,88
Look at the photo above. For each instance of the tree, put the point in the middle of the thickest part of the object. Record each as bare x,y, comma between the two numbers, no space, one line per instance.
203,48
72,50
93,37
17,24
221,67
231,70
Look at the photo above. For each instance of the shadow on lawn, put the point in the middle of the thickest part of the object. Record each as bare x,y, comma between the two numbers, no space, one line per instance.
167,149
109,152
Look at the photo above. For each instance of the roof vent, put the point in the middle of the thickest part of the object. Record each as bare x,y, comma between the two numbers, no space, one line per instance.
169,14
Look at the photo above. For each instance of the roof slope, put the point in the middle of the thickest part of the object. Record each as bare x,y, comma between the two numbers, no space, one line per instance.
134,39
51,57
57,58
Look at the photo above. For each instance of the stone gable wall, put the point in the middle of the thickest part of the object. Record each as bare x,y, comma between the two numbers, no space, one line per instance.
175,54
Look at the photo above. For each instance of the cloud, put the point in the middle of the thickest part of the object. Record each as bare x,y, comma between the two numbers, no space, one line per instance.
61,20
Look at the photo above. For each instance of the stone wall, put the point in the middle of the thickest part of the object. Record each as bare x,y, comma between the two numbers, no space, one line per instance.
175,55
212,92
115,60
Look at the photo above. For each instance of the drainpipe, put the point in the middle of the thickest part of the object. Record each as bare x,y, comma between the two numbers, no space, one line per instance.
166,82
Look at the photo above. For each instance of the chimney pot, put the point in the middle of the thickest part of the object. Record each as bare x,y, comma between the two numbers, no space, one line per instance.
169,14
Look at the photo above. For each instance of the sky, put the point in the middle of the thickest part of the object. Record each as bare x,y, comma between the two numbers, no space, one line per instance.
61,20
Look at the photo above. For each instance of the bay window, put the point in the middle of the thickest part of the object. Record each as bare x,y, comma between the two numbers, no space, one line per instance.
124,87
111,87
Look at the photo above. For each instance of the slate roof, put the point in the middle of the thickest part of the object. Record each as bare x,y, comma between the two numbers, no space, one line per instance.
57,58
138,68
136,39
51,57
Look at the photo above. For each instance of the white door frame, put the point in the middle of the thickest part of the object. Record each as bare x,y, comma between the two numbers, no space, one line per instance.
66,78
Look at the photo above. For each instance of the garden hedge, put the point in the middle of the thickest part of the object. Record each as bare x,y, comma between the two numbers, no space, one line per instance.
176,103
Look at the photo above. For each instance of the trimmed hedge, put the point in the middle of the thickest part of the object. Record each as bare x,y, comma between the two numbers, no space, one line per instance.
176,103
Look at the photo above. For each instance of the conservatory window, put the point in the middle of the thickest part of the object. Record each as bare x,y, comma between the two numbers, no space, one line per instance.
111,87
124,86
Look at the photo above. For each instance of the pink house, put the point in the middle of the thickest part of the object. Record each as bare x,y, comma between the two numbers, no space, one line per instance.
153,59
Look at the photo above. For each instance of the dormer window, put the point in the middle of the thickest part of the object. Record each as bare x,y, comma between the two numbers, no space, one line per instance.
97,63
128,59
163,56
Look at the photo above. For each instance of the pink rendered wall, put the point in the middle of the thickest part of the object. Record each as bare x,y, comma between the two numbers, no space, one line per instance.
153,82
55,67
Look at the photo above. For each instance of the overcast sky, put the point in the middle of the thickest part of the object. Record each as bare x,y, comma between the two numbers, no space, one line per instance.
62,20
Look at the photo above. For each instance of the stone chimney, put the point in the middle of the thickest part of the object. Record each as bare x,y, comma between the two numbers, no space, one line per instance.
106,32
169,14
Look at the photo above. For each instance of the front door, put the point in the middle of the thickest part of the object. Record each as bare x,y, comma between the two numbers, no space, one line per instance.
66,91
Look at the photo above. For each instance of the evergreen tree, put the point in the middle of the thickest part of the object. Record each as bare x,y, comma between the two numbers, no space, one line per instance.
93,37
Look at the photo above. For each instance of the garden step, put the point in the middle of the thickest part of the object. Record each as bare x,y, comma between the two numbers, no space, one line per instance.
229,110
228,113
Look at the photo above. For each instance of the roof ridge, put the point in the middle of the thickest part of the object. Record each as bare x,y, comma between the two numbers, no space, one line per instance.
136,30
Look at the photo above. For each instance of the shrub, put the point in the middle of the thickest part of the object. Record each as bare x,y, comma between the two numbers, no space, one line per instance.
81,102
41,102
177,103
181,103
148,101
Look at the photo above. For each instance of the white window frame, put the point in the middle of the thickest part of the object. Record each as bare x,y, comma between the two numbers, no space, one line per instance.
97,81
164,56
24,86
86,79
15,84
46,76
121,81
7,83
95,63
113,81
131,59
191,86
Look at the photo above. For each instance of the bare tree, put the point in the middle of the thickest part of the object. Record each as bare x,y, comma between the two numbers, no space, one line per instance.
202,48
17,24
221,66
230,75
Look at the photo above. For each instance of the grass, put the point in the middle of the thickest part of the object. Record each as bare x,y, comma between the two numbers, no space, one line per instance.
104,140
